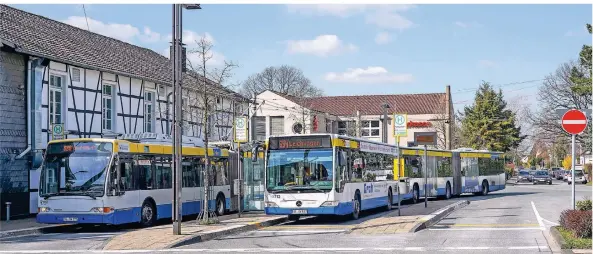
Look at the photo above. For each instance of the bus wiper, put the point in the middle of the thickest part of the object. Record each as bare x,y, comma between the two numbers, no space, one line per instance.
46,196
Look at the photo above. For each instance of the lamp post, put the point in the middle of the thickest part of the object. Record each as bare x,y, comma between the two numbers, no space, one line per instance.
177,59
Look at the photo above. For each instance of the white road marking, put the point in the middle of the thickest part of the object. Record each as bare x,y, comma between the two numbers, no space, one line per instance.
539,218
551,222
275,250
486,229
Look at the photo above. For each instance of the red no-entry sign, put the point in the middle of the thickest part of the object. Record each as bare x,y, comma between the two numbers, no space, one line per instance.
574,121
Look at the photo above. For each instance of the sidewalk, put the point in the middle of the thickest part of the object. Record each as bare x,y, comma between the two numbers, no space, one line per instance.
161,237
23,227
414,218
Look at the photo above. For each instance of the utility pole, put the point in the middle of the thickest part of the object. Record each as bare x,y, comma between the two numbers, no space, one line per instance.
176,57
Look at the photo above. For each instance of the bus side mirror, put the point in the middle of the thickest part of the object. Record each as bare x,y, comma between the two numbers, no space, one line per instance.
342,159
254,154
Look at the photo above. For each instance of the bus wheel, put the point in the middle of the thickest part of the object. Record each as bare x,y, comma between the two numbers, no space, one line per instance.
448,191
389,200
484,188
148,214
220,209
415,194
356,206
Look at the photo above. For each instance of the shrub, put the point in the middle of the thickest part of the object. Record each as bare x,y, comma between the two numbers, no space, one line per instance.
584,205
577,222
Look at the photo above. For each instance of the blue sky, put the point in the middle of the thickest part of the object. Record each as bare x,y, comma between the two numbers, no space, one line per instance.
358,49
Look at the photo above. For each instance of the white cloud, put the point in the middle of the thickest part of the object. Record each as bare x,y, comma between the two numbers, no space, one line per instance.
322,45
467,24
382,38
372,74
124,32
486,63
384,16
150,36
389,19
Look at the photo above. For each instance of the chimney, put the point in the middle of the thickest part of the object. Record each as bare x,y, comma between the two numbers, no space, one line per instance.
449,110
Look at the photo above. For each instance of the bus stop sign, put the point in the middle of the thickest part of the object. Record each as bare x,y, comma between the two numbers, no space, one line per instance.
574,121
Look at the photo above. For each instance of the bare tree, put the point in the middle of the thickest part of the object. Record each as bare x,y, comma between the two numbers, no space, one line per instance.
556,93
284,79
210,87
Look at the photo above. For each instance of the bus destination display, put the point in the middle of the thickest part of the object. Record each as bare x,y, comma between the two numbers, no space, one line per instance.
78,147
280,143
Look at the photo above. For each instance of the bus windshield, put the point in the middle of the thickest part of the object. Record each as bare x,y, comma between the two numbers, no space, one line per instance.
300,170
75,168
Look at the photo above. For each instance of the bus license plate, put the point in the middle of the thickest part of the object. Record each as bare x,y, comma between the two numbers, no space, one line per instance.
299,211
70,219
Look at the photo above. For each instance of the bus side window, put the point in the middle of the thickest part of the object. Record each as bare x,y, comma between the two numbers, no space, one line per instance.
127,178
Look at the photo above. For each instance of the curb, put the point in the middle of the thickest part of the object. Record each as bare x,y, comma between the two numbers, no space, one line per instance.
224,232
434,217
560,241
30,231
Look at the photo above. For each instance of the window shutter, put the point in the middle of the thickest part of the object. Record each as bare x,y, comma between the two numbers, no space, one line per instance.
259,126
276,125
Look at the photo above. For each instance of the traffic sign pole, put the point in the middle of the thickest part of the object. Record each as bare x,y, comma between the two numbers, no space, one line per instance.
573,159
574,122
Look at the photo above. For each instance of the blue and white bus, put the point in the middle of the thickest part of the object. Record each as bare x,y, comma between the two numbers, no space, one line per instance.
320,174
128,180
329,174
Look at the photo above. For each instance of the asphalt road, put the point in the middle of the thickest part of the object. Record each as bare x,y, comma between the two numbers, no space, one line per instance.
515,220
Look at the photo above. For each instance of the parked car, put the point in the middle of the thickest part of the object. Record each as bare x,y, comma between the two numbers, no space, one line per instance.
558,173
524,176
542,176
565,175
579,176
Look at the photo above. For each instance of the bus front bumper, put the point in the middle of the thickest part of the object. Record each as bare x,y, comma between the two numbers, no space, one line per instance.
340,209
75,218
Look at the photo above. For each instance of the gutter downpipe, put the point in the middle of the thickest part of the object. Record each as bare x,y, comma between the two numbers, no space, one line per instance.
168,120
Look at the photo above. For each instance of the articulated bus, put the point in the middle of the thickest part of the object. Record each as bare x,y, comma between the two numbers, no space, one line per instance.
329,174
129,180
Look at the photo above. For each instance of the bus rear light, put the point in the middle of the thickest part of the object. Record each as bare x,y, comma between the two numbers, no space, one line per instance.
102,209
271,204
330,203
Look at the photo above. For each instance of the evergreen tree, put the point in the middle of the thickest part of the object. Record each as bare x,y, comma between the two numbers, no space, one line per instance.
488,124
581,78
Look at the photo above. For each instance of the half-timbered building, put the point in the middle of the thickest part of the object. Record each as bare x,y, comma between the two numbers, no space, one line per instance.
56,76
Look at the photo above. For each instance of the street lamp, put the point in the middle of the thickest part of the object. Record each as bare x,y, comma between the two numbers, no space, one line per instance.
176,59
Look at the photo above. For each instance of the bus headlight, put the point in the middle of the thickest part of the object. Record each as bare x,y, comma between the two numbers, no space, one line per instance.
271,204
43,209
330,203
102,209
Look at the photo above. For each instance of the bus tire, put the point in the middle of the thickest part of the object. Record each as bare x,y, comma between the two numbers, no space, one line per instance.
484,187
389,200
415,194
448,191
356,206
220,205
147,213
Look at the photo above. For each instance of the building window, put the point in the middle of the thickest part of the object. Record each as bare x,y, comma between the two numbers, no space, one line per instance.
369,128
107,112
347,128
148,111
276,125
55,99
259,128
